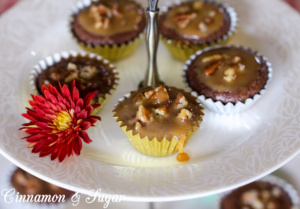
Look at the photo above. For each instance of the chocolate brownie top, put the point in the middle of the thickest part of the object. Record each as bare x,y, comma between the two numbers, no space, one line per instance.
259,194
93,74
227,74
109,22
194,22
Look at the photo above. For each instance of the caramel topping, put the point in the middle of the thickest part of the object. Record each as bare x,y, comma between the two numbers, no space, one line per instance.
226,69
182,156
162,112
111,17
196,20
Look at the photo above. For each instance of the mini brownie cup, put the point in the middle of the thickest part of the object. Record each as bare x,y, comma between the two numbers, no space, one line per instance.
92,73
193,25
267,193
111,28
31,186
159,120
227,79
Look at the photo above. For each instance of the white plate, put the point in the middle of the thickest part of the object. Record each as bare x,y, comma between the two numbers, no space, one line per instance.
227,151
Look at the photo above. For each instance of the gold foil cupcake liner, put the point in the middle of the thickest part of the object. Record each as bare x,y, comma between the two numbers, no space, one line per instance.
228,108
288,188
182,51
110,52
56,58
154,147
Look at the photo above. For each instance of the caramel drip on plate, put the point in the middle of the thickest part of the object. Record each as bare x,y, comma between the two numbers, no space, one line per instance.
182,156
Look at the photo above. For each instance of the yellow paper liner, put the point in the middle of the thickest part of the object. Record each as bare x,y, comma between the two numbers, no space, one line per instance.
43,64
154,147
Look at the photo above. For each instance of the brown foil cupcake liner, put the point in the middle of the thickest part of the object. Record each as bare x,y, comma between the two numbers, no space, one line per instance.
110,52
182,51
228,108
154,147
55,58
291,191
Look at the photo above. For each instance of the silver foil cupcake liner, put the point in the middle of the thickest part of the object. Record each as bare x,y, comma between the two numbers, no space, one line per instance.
228,108
57,57
288,188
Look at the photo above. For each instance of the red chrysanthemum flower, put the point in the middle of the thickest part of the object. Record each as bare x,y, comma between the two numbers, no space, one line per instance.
58,121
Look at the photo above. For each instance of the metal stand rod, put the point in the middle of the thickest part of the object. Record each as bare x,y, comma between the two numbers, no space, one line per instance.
151,77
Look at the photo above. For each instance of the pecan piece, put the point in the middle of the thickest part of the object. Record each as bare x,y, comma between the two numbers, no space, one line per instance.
143,114
229,75
202,26
55,76
158,95
71,66
183,20
236,59
72,76
161,111
116,12
241,67
215,57
211,69
180,101
185,115
87,72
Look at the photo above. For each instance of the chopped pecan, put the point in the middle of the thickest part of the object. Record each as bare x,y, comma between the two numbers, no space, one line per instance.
236,59
241,67
55,76
276,192
87,72
104,11
211,69
158,95
185,115
212,13
71,66
161,111
250,197
229,74
115,11
143,114
180,101
215,57
72,76
102,15
202,26
183,20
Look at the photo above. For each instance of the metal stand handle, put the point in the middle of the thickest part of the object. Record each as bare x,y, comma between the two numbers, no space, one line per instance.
152,78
